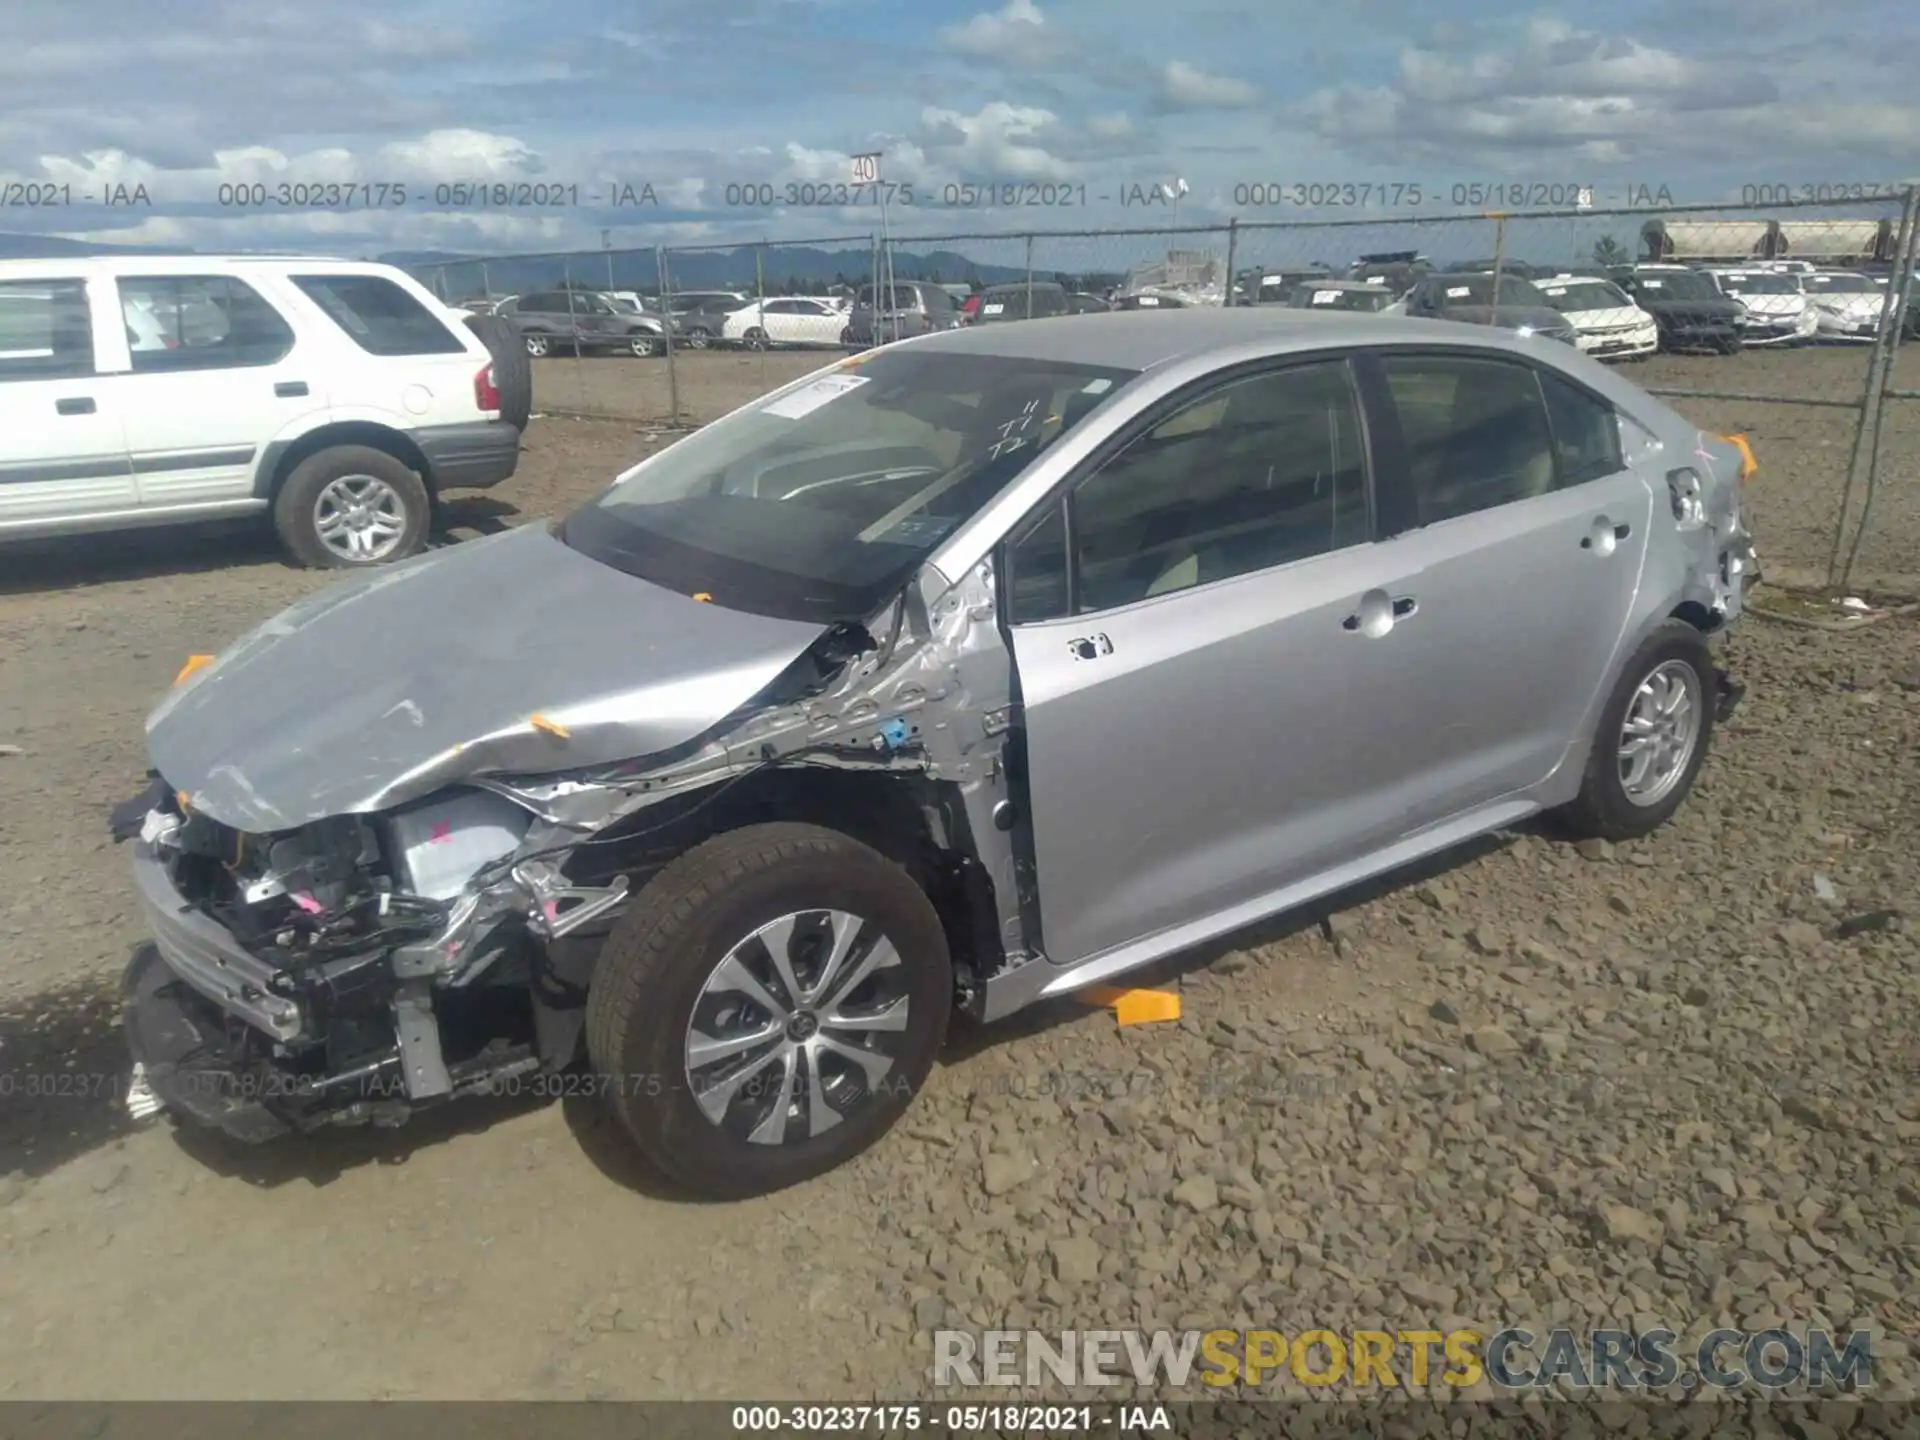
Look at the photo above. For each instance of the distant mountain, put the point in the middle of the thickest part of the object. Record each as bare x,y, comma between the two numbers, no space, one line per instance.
59,247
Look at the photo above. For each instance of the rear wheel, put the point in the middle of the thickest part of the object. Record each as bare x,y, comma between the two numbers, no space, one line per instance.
350,507
768,1007
696,339
538,345
644,345
1652,738
756,339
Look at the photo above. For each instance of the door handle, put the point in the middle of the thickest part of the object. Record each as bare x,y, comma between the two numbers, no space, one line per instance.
1378,612
75,405
287,389
1604,536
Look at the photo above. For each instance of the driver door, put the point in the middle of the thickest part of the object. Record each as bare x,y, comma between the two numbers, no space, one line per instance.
1198,721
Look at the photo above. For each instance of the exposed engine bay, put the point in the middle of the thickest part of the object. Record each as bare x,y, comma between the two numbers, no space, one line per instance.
358,967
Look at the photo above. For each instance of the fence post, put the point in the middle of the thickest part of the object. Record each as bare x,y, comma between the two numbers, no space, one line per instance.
1499,263
673,367
486,282
609,269
873,290
1893,321
1029,277
1233,245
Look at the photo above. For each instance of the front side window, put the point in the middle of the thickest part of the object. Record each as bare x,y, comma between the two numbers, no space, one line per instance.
1475,429
46,330
379,316
1258,472
200,322
816,505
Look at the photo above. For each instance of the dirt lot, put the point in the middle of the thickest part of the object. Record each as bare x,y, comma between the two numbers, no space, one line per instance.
1534,1083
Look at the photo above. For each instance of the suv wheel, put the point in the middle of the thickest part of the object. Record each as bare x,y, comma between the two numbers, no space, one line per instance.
1652,738
538,345
644,344
350,507
756,339
768,1007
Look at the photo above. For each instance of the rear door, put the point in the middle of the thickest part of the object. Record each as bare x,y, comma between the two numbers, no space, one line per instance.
214,374
63,453
1524,543
401,357
1200,725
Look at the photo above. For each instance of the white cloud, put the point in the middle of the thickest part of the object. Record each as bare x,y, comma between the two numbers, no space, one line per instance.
1017,36
1187,87
999,141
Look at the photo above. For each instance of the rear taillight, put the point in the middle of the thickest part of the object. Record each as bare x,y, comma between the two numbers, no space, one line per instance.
486,394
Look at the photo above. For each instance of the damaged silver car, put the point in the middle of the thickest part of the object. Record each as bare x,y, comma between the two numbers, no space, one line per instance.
961,674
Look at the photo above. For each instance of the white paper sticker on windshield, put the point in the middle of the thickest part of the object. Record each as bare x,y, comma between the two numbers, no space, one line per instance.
1459,292
1096,387
810,398
1149,299
1653,284
994,309
1325,297
1556,290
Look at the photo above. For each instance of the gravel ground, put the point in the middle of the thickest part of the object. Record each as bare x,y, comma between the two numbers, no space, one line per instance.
1536,1083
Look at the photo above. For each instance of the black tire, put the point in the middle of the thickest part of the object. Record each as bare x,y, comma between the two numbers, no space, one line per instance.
651,973
537,346
294,507
1603,808
512,370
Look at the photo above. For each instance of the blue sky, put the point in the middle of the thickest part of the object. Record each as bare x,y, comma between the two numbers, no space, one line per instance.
700,98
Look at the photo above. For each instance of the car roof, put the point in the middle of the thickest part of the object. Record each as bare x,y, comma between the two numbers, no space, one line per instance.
180,265
1141,339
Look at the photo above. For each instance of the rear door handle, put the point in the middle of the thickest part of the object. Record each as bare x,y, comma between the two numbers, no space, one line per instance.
287,389
75,405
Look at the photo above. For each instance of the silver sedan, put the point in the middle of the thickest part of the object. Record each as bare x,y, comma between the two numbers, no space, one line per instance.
964,673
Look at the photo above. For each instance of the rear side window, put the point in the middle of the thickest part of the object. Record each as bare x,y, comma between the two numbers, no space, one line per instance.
381,318
45,330
200,322
1476,432
1586,433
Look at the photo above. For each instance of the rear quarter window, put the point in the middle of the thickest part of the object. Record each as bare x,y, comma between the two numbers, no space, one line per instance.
379,316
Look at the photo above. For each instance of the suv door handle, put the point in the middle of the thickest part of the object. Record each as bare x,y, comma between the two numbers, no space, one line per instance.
75,405
287,389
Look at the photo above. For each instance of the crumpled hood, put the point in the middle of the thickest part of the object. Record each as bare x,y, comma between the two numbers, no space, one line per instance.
395,682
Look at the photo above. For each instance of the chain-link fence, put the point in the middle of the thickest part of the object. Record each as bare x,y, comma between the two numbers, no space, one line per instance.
1783,322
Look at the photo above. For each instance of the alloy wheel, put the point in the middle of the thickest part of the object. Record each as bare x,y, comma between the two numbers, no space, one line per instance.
1660,732
360,518
797,1027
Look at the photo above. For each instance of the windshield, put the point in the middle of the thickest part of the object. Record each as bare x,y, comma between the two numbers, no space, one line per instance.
1676,285
817,504
1760,284
1573,296
1843,284
1458,290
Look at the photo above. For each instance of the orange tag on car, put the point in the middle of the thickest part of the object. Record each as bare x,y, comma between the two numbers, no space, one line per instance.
195,664
550,727
1748,465
1136,1007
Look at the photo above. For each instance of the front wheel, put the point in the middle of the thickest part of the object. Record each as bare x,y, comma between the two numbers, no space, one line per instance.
538,346
756,339
1652,738
644,345
768,1007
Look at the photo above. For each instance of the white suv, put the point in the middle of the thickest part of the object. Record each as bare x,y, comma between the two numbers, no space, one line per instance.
339,397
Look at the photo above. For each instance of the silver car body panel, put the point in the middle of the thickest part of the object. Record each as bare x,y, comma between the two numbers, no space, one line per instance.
431,672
